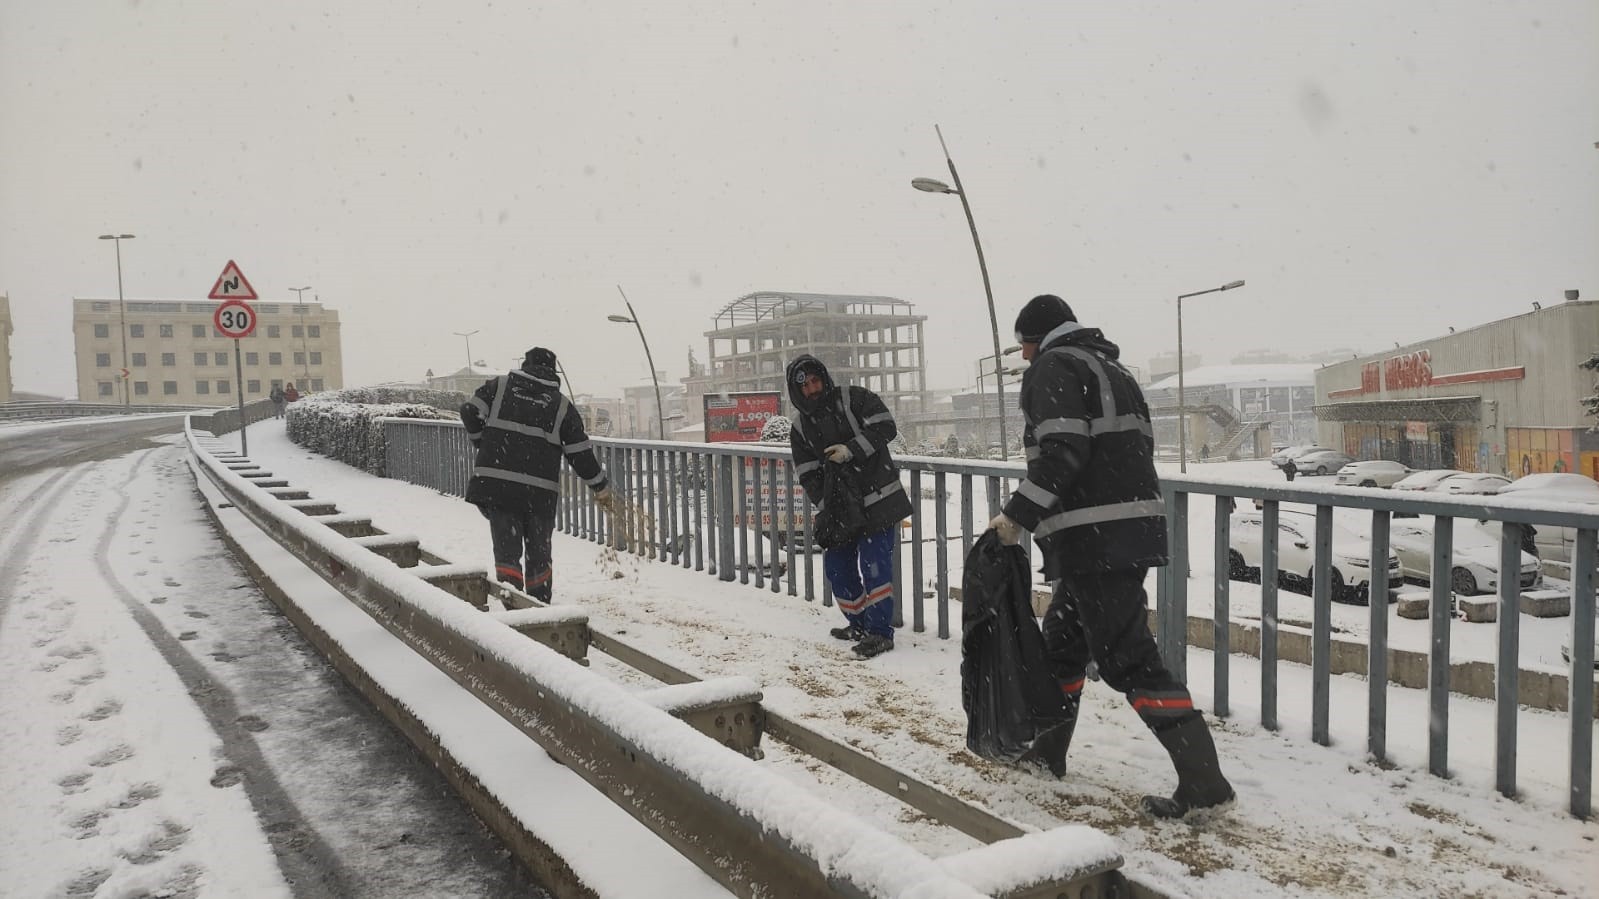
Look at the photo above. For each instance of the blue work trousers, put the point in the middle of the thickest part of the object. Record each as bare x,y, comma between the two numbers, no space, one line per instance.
861,576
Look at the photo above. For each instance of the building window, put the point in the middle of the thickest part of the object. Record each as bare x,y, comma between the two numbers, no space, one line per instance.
296,331
222,358
316,357
138,360
102,360
274,358
277,382
198,331
202,387
141,388
299,358
274,330
135,330
166,330
224,387
316,385
314,330
105,388
252,386
169,388
169,358
252,358
102,331
201,358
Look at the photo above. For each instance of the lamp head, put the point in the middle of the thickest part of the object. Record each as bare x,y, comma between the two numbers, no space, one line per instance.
931,185
116,237
1232,285
620,318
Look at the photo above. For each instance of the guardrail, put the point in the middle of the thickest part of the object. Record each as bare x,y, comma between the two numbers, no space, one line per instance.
698,503
753,831
77,410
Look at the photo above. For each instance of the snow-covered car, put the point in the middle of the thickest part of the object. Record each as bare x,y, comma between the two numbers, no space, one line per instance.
1322,461
1555,543
1294,452
1474,566
1426,480
1473,483
1296,554
1375,473
1565,650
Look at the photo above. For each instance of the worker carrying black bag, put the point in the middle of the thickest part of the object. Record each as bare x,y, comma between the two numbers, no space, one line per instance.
840,514
1014,710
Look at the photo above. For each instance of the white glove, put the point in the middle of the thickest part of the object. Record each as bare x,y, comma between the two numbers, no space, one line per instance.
605,498
1010,533
839,453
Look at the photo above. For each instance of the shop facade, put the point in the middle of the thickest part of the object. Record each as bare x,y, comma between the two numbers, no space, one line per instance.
1503,397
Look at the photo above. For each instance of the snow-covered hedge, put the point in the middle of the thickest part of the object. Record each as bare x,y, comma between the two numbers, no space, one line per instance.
342,424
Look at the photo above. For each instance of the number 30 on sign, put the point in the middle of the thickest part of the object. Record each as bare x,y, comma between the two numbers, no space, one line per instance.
234,319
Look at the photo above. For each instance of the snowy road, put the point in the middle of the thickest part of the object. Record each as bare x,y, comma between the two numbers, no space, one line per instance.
168,734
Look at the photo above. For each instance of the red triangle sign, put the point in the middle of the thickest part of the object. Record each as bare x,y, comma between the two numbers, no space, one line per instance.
231,285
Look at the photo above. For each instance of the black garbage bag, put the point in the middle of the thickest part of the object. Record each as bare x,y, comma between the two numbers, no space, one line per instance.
1010,696
841,515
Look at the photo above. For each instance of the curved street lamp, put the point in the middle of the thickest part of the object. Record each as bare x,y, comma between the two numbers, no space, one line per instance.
467,335
632,319
935,186
1182,408
122,313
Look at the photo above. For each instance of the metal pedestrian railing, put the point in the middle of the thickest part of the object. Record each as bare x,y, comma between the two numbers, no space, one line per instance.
736,511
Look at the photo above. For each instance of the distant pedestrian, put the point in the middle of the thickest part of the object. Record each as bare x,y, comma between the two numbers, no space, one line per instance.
1092,501
277,398
849,427
1289,468
289,393
521,426
1204,453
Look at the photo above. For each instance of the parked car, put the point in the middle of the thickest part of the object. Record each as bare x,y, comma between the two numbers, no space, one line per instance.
1565,651
1558,487
1475,483
1376,473
1294,452
1426,480
1322,461
1474,566
1296,556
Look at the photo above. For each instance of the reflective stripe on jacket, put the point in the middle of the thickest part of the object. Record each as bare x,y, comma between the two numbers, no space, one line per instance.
522,426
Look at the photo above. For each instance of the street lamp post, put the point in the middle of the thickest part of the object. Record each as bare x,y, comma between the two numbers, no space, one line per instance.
122,314
467,336
982,407
932,185
1182,407
632,318
305,352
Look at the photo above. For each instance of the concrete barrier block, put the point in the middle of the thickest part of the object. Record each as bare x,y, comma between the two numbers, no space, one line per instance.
1546,603
1413,606
1478,609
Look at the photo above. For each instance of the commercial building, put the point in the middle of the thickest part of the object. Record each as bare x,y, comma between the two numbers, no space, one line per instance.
176,355
873,342
5,349
1235,410
1502,397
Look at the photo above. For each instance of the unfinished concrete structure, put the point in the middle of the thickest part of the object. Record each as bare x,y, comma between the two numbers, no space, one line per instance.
872,342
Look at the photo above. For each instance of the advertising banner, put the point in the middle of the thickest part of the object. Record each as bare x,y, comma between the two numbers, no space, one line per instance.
739,417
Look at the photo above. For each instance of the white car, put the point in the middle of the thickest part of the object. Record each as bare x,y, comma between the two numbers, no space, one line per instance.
1472,483
1426,480
1294,452
1376,473
1554,542
1322,461
1296,554
1474,567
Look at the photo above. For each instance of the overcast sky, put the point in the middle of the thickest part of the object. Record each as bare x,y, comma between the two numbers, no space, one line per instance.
1376,170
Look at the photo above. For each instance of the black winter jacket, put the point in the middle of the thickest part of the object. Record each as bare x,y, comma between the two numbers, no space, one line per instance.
1091,497
522,426
857,418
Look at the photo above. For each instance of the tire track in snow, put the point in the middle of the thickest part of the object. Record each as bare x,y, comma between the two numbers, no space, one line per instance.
40,503
310,867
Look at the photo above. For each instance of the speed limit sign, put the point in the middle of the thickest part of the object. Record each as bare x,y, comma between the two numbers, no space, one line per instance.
235,319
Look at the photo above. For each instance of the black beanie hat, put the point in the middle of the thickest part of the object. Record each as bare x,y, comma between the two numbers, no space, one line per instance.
539,357
1042,314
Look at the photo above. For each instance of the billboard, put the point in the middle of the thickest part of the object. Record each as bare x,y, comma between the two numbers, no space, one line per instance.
739,417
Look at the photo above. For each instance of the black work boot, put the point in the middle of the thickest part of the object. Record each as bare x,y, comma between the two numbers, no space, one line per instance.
850,632
1200,784
1050,747
873,645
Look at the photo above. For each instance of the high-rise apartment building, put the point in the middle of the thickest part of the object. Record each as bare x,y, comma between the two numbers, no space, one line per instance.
5,349
176,355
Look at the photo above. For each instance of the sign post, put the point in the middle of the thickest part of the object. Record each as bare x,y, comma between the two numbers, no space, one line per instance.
236,319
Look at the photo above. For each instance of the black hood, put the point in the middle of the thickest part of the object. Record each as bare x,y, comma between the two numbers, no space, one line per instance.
807,363
1074,334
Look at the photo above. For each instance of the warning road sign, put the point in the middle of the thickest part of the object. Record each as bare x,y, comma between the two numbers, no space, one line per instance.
231,285
234,319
